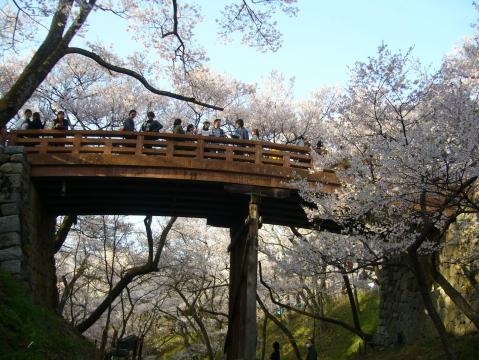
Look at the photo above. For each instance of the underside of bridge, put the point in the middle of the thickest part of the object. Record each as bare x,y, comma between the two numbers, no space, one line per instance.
216,202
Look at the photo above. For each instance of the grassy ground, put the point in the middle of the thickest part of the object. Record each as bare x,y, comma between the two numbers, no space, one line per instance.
332,342
335,343
467,348
31,332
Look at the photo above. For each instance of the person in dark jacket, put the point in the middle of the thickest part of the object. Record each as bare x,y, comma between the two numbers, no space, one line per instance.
177,128
151,125
129,123
275,355
311,354
36,123
61,122
240,132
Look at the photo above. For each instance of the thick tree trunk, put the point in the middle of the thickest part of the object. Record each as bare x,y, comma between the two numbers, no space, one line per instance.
428,304
52,49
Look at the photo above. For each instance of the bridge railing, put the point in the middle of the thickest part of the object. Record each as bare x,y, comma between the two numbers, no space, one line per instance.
167,145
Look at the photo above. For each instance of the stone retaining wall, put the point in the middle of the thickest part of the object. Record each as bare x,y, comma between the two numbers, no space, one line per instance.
402,316
459,263
26,229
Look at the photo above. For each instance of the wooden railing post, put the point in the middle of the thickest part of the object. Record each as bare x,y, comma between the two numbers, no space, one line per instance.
43,145
170,147
286,162
76,144
139,144
200,148
107,147
229,153
258,152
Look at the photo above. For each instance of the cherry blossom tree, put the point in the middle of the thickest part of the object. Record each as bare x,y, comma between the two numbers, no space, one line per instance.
60,22
405,147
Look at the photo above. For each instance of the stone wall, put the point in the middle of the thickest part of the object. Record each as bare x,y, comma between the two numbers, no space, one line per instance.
459,263
26,229
402,316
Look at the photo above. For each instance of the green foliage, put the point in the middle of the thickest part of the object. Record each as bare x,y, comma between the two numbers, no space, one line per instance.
333,342
31,332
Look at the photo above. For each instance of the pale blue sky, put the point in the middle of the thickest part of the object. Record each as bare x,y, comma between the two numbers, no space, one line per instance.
325,38
328,36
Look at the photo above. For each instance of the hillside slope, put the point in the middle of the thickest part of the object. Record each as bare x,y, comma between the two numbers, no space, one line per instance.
30,332
335,343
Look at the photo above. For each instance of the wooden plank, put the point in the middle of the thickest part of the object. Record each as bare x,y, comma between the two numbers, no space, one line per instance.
139,145
108,146
200,149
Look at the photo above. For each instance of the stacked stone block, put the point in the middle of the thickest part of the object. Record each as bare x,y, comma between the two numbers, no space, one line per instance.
26,229
402,316
14,194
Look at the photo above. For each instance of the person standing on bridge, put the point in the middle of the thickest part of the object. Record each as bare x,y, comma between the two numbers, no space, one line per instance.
151,125
217,130
61,122
205,131
177,128
129,123
240,132
25,124
255,135
36,123
190,129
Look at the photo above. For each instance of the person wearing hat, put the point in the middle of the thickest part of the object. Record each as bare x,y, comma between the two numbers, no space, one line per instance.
151,125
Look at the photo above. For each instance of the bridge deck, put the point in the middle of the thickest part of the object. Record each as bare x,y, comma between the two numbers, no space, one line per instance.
111,172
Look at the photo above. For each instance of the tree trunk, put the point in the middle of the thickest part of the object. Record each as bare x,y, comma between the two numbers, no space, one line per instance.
426,297
352,302
264,334
130,275
52,49
455,296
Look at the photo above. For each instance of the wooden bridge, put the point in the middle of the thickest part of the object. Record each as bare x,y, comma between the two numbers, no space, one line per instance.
232,183
112,172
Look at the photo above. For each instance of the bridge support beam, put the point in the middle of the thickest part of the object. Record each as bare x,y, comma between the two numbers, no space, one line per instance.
241,338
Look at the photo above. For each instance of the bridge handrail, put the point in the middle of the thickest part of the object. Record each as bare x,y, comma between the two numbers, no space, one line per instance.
162,144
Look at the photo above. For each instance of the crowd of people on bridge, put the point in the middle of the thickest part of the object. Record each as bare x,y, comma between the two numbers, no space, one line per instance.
152,125
32,121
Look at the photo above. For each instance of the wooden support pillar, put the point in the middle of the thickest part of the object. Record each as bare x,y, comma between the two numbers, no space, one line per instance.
241,338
